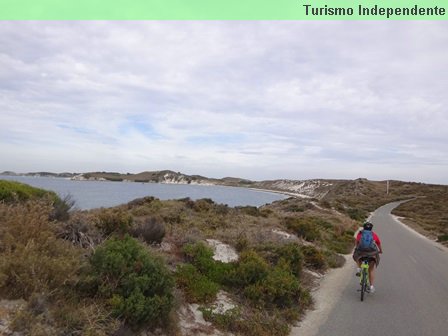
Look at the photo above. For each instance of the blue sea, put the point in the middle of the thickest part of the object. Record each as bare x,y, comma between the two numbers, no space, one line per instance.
96,194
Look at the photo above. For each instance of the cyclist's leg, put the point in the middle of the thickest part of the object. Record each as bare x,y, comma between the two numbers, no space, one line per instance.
372,266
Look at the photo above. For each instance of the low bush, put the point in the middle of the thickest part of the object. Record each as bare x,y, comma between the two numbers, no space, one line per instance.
140,201
62,207
151,230
136,284
110,221
306,227
250,269
334,260
292,255
357,214
201,256
249,210
242,242
79,231
266,212
222,209
278,288
255,323
32,259
295,208
442,238
203,205
11,191
314,258
343,244
196,286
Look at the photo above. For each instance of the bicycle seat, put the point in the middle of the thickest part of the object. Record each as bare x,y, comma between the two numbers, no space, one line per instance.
368,259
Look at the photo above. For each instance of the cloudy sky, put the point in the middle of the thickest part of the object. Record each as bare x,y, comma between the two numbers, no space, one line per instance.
259,100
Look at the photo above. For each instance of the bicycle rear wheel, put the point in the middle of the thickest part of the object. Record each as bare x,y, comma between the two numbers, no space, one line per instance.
363,283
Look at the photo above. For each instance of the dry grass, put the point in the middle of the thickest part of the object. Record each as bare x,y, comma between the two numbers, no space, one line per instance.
426,213
61,249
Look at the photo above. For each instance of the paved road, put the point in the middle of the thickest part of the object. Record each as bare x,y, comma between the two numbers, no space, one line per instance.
412,288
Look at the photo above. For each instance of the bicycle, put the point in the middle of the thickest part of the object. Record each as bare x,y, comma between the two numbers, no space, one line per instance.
364,278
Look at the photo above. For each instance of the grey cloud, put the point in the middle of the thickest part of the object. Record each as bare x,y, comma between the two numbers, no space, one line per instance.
301,93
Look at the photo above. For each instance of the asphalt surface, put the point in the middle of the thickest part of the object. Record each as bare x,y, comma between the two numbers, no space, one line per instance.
411,284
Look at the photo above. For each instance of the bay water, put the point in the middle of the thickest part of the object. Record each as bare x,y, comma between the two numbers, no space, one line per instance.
96,194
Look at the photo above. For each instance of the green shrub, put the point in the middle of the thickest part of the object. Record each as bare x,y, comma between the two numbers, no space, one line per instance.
307,228
113,221
295,208
227,320
11,191
442,238
249,210
62,207
201,256
254,323
357,214
136,284
242,242
292,255
196,286
250,269
313,257
279,288
342,245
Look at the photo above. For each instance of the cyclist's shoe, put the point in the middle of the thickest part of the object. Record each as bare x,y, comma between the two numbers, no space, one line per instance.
372,289
358,272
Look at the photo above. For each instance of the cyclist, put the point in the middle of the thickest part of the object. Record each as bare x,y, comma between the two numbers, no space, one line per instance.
368,244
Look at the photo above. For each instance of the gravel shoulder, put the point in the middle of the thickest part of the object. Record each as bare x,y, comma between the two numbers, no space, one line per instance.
325,297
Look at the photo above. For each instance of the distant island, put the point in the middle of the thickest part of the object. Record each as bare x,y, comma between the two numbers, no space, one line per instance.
316,188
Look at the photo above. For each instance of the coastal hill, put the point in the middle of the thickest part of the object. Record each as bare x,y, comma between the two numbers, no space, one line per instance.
356,198
316,188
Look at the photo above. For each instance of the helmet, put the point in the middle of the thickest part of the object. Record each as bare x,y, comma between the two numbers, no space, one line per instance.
367,226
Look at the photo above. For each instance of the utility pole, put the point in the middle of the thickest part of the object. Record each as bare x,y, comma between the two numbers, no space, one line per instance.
387,187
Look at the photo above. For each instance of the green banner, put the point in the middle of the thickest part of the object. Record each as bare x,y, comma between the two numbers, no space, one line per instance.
223,10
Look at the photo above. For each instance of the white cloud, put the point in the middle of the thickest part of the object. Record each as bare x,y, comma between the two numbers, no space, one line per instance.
260,100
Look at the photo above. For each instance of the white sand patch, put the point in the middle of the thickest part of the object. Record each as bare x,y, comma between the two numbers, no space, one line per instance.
282,234
314,274
192,322
223,303
166,247
222,252
318,206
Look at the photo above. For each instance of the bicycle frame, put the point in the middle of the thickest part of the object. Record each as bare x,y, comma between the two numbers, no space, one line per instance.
364,279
